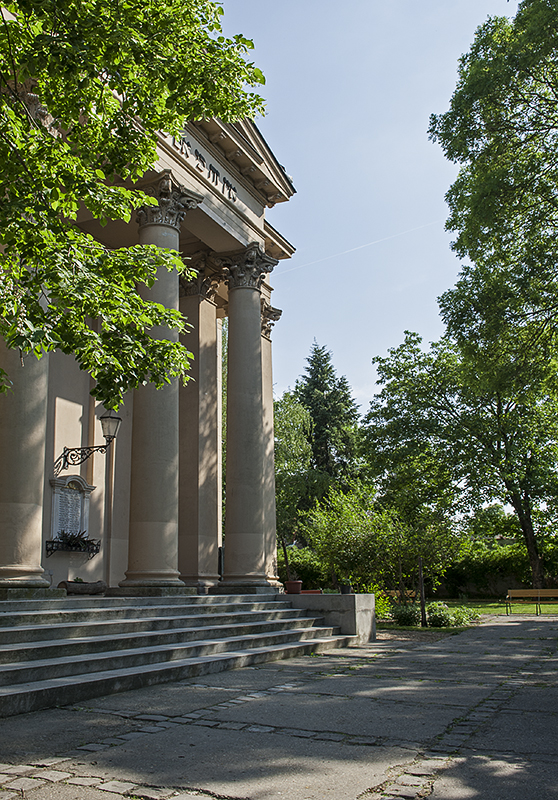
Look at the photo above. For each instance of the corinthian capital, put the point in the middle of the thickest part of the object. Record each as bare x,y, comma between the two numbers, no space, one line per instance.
245,268
173,201
206,283
270,316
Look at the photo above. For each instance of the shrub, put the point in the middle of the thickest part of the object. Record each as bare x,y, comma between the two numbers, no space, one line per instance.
406,615
382,602
463,616
482,563
440,616
305,565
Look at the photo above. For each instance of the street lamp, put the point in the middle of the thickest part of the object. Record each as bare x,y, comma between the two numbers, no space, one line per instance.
72,456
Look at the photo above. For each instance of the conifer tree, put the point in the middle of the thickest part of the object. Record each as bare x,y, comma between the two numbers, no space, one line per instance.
335,436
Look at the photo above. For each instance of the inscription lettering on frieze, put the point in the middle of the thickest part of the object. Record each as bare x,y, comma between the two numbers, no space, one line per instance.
229,190
214,175
182,145
209,170
200,160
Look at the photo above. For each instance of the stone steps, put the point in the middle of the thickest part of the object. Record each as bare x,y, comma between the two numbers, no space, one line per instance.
114,609
99,627
62,651
88,643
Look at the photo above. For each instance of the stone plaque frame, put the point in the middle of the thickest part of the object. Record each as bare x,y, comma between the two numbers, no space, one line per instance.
69,510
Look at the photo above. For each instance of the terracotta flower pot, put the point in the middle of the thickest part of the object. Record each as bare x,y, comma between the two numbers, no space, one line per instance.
293,587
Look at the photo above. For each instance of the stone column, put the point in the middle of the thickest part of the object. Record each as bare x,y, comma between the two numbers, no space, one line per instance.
23,414
153,533
245,537
270,316
199,533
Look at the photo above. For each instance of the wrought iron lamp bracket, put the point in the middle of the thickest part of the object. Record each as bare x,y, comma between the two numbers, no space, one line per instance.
72,456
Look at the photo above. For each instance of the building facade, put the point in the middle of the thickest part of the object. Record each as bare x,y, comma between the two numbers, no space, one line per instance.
152,503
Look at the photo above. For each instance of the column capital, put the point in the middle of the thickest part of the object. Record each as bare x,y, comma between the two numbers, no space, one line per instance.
206,283
173,201
245,268
270,316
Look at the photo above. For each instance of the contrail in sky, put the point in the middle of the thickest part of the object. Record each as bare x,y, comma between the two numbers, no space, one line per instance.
361,246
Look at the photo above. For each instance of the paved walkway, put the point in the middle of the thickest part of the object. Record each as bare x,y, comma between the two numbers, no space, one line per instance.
473,715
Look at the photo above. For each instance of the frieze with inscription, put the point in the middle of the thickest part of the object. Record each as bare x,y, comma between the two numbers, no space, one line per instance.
209,170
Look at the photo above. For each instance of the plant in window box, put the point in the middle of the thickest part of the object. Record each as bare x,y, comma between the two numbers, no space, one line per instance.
73,542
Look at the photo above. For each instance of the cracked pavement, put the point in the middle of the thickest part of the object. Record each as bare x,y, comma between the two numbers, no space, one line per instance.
454,717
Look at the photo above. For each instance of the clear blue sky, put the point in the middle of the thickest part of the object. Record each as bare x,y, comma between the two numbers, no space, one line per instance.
350,88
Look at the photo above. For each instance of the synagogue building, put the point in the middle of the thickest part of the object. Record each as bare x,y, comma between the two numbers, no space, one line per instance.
144,514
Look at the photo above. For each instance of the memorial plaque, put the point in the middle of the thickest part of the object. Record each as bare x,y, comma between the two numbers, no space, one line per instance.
70,509
70,505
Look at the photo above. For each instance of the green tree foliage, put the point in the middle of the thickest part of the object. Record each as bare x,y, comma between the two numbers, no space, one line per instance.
409,468
502,128
491,523
493,426
305,566
293,456
334,436
85,86
365,544
493,551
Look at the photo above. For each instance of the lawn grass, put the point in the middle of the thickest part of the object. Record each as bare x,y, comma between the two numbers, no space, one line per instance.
494,606
489,606
498,606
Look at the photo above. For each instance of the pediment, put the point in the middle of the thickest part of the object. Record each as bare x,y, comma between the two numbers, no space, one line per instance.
243,145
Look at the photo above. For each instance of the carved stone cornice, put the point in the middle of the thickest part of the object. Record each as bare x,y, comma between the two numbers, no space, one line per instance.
270,316
173,201
245,269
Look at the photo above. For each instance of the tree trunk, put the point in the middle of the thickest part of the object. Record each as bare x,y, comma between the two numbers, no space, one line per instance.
423,622
523,512
286,556
402,588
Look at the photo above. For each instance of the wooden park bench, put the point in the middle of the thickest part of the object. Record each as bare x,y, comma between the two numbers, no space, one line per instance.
536,596
396,594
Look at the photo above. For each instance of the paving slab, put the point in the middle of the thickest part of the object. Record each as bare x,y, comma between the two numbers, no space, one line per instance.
483,777
539,698
363,722
416,691
254,678
464,673
170,699
245,764
65,791
360,716
529,732
31,736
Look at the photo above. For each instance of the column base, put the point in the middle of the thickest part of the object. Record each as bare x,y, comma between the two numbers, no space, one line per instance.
22,576
160,578
150,591
30,593
202,585
226,587
195,580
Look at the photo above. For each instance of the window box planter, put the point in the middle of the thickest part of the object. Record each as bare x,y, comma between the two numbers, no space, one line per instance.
89,546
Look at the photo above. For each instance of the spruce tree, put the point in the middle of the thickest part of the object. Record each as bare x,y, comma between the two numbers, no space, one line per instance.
335,435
